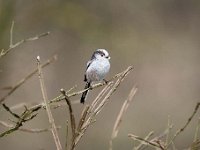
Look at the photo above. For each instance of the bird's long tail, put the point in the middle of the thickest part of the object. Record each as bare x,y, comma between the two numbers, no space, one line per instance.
85,93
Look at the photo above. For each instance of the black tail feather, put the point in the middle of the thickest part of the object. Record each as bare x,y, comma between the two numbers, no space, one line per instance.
85,93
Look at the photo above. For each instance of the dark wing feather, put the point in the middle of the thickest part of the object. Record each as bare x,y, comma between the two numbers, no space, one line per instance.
88,64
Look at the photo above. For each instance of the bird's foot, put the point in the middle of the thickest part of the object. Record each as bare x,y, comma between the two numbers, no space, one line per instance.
105,81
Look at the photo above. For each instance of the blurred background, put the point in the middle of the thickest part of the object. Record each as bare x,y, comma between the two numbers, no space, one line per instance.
159,38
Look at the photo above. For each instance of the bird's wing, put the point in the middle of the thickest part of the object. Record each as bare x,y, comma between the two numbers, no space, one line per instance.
88,64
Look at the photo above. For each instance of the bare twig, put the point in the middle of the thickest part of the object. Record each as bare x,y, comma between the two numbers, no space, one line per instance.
186,124
50,116
195,145
22,81
83,117
121,113
197,131
83,123
24,117
61,97
11,34
67,135
104,101
11,47
100,96
113,89
72,118
196,142
146,138
82,126
145,141
7,125
169,127
12,113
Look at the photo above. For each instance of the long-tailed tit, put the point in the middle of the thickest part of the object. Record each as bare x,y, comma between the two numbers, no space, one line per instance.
96,70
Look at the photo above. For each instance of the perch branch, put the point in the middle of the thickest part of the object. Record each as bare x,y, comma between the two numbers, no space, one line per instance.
61,97
112,88
81,128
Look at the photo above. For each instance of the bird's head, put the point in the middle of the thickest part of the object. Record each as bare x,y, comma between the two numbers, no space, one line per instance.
101,53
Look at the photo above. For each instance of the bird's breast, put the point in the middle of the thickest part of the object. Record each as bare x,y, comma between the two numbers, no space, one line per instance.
97,70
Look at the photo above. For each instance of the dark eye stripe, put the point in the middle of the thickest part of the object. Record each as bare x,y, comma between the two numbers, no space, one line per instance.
100,53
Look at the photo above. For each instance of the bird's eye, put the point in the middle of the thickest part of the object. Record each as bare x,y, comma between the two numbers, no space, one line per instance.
101,55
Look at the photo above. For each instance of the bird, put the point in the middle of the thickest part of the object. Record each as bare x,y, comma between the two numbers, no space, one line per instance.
97,68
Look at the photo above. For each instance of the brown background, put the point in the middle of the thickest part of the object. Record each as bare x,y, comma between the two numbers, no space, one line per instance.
159,38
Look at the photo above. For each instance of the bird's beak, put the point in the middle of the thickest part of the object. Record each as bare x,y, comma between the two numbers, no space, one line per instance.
108,57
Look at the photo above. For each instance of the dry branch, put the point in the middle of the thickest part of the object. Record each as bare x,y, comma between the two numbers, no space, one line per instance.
61,97
22,81
8,125
186,124
27,115
154,144
50,116
121,113
196,136
13,46
88,115
103,99
72,118
142,143
164,144
83,117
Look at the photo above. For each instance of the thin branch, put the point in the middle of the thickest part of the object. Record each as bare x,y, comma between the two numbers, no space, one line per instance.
146,138
67,135
4,52
121,113
22,81
24,117
50,116
114,88
100,96
197,131
84,114
29,112
7,125
61,97
145,141
72,118
11,34
104,101
83,123
12,113
186,124
169,127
